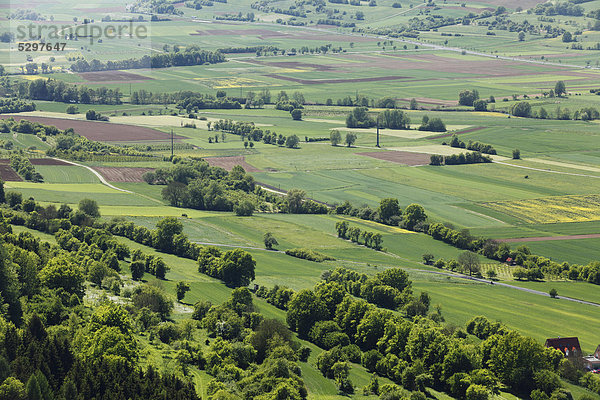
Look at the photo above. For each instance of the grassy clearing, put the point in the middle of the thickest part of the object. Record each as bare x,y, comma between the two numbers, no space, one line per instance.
533,315
66,175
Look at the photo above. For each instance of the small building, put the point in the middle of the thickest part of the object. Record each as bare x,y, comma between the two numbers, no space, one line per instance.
592,362
569,346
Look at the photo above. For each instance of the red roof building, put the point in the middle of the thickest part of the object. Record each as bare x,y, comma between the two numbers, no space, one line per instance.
569,346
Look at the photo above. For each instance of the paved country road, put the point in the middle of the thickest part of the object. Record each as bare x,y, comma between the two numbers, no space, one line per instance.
449,274
532,291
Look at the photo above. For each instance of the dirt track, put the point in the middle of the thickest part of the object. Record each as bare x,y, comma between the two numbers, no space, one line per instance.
478,128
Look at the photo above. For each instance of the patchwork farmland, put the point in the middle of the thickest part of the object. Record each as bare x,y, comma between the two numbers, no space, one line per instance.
300,200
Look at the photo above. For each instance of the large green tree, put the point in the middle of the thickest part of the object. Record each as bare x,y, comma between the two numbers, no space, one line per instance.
413,214
560,88
468,97
469,262
109,334
9,288
90,208
304,310
237,268
388,209
335,137
294,201
62,273
167,228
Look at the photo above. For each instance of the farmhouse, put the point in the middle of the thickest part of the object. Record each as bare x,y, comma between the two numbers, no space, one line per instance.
569,346
592,361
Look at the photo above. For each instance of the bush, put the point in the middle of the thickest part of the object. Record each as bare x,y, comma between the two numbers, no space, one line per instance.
468,97
153,298
296,114
244,208
480,105
432,125
308,254
168,332
521,109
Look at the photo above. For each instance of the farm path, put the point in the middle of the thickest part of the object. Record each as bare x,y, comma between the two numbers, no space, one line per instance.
452,275
532,291
547,170
93,171
105,182
400,13
421,44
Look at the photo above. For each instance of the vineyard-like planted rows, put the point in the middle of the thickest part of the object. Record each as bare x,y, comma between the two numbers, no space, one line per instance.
551,209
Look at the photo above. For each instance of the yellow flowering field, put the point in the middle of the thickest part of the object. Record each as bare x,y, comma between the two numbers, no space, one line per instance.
551,209
228,83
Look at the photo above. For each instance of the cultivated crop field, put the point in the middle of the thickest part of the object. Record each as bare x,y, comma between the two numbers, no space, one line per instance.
552,209
292,76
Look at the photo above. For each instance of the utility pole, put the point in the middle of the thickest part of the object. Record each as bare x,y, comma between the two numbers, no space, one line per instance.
172,144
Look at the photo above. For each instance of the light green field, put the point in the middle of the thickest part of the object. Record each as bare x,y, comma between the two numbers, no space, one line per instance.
560,159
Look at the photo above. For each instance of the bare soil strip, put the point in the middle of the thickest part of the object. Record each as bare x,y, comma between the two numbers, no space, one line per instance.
8,174
550,238
123,174
49,161
229,162
101,131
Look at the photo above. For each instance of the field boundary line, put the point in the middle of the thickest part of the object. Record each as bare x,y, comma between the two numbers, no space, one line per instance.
550,238
546,170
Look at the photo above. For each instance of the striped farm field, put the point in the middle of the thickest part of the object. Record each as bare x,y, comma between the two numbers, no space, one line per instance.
553,209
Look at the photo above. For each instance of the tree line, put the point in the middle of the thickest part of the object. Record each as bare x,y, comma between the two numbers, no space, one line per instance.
254,133
417,353
475,146
192,56
194,184
474,157
69,145
24,168
356,235
390,289
59,91
12,105
388,213
414,218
